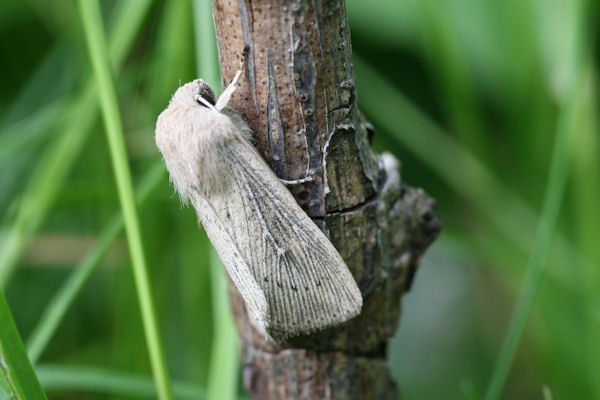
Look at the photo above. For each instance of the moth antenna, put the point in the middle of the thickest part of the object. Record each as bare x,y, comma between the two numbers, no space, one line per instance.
230,89
205,102
297,181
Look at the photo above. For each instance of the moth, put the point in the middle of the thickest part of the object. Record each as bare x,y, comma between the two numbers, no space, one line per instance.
290,276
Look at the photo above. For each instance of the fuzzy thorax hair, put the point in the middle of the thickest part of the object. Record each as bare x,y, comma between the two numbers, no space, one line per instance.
194,139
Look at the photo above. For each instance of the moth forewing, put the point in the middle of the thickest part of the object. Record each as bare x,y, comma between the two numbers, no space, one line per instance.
290,276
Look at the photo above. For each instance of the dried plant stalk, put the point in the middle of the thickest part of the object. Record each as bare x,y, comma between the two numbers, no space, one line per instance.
298,94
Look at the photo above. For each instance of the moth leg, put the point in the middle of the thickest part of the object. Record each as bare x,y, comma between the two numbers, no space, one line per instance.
296,181
230,89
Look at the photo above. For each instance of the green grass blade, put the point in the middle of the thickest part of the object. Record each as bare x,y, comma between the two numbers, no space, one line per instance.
62,301
18,379
57,160
92,22
206,49
173,52
115,383
587,169
225,357
559,169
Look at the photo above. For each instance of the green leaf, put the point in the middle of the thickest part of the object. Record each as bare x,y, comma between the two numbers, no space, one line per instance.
91,18
105,381
18,379
225,358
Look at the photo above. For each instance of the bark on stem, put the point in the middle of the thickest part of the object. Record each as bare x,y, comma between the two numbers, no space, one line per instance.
298,96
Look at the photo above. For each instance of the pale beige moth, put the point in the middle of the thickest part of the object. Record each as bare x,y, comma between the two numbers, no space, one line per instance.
290,276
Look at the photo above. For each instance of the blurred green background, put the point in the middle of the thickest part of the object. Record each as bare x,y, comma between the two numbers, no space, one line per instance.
473,96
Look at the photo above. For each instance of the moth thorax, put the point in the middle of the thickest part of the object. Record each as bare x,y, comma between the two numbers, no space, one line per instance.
216,172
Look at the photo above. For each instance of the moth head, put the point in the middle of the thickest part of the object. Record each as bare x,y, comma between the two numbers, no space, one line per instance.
196,92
